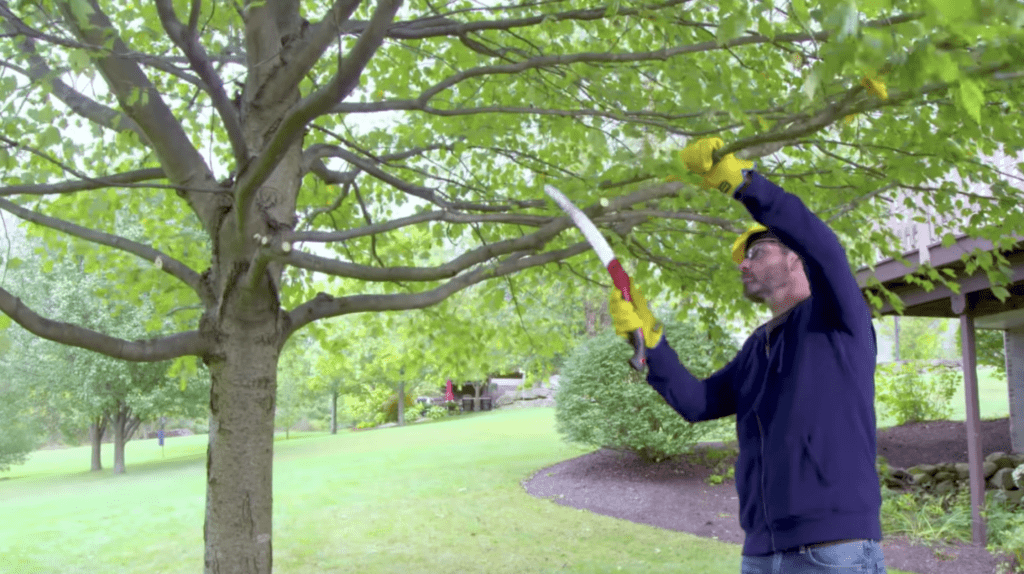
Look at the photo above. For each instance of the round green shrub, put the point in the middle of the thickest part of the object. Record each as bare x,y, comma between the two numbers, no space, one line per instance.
602,402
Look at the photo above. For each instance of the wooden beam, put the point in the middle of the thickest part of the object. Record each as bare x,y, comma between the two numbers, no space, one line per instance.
974,452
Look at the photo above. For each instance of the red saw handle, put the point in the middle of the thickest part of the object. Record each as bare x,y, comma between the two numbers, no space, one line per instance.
636,338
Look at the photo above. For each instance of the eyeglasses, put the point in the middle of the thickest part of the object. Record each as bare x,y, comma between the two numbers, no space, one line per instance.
758,250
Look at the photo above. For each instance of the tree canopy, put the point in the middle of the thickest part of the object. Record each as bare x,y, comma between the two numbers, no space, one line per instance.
256,146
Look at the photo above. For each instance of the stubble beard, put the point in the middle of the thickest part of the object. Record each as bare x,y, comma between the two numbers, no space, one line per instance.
753,293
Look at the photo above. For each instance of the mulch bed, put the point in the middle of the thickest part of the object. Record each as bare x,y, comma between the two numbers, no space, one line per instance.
673,494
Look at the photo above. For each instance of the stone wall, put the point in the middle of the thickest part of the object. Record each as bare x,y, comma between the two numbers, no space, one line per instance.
941,479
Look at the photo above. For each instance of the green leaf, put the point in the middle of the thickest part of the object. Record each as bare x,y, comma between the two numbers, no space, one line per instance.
970,99
5,321
875,5
811,84
955,10
49,137
1000,293
15,263
82,10
844,20
730,28
800,7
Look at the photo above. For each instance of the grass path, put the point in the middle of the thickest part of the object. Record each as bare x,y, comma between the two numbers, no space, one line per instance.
440,497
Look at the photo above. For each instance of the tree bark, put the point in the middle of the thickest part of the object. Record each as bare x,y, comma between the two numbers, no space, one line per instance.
124,427
96,430
334,412
896,338
401,404
239,498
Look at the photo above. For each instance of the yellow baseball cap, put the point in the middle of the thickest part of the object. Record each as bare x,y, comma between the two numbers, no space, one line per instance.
739,247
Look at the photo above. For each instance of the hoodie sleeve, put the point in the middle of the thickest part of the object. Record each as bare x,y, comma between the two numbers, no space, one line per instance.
836,298
694,399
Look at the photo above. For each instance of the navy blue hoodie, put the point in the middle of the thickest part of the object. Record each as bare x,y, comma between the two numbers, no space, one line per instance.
802,389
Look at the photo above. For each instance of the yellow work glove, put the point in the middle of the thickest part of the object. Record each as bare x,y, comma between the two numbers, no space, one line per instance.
725,176
628,316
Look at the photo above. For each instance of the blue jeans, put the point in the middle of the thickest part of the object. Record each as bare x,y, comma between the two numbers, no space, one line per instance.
859,556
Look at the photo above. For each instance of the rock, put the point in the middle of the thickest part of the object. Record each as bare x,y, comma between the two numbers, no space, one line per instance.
920,478
1002,479
1014,496
1009,497
922,469
1001,460
945,475
898,478
990,469
944,487
963,470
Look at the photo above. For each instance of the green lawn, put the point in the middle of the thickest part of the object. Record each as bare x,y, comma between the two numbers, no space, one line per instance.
440,497
993,397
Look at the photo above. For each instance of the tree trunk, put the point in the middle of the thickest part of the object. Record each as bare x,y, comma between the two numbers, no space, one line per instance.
124,427
401,404
243,375
119,421
334,412
96,430
896,338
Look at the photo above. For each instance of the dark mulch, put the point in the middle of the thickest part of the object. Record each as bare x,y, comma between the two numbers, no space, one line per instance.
674,494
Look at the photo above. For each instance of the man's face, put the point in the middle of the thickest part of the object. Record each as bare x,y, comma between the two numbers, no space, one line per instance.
764,269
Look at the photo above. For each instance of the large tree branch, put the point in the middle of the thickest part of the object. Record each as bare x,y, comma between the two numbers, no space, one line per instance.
187,41
350,68
126,179
768,143
479,255
432,27
40,71
305,53
609,57
161,349
164,262
371,165
425,217
144,103
323,305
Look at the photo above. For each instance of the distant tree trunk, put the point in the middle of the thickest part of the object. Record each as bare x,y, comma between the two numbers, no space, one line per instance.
96,430
896,338
334,412
478,389
125,425
401,404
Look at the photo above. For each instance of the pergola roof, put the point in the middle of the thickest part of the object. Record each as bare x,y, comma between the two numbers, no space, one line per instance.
989,312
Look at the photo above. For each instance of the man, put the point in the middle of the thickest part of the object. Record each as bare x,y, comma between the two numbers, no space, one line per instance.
802,386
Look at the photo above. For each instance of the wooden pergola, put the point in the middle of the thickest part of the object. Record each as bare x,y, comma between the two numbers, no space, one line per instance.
977,308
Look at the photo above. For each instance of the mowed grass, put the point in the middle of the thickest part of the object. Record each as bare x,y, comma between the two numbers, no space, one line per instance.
438,497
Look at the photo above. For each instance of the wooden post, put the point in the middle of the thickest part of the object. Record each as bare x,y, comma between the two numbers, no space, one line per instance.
1013,344
974,452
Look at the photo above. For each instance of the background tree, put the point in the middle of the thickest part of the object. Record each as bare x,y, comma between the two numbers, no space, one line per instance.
205,120
18,433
